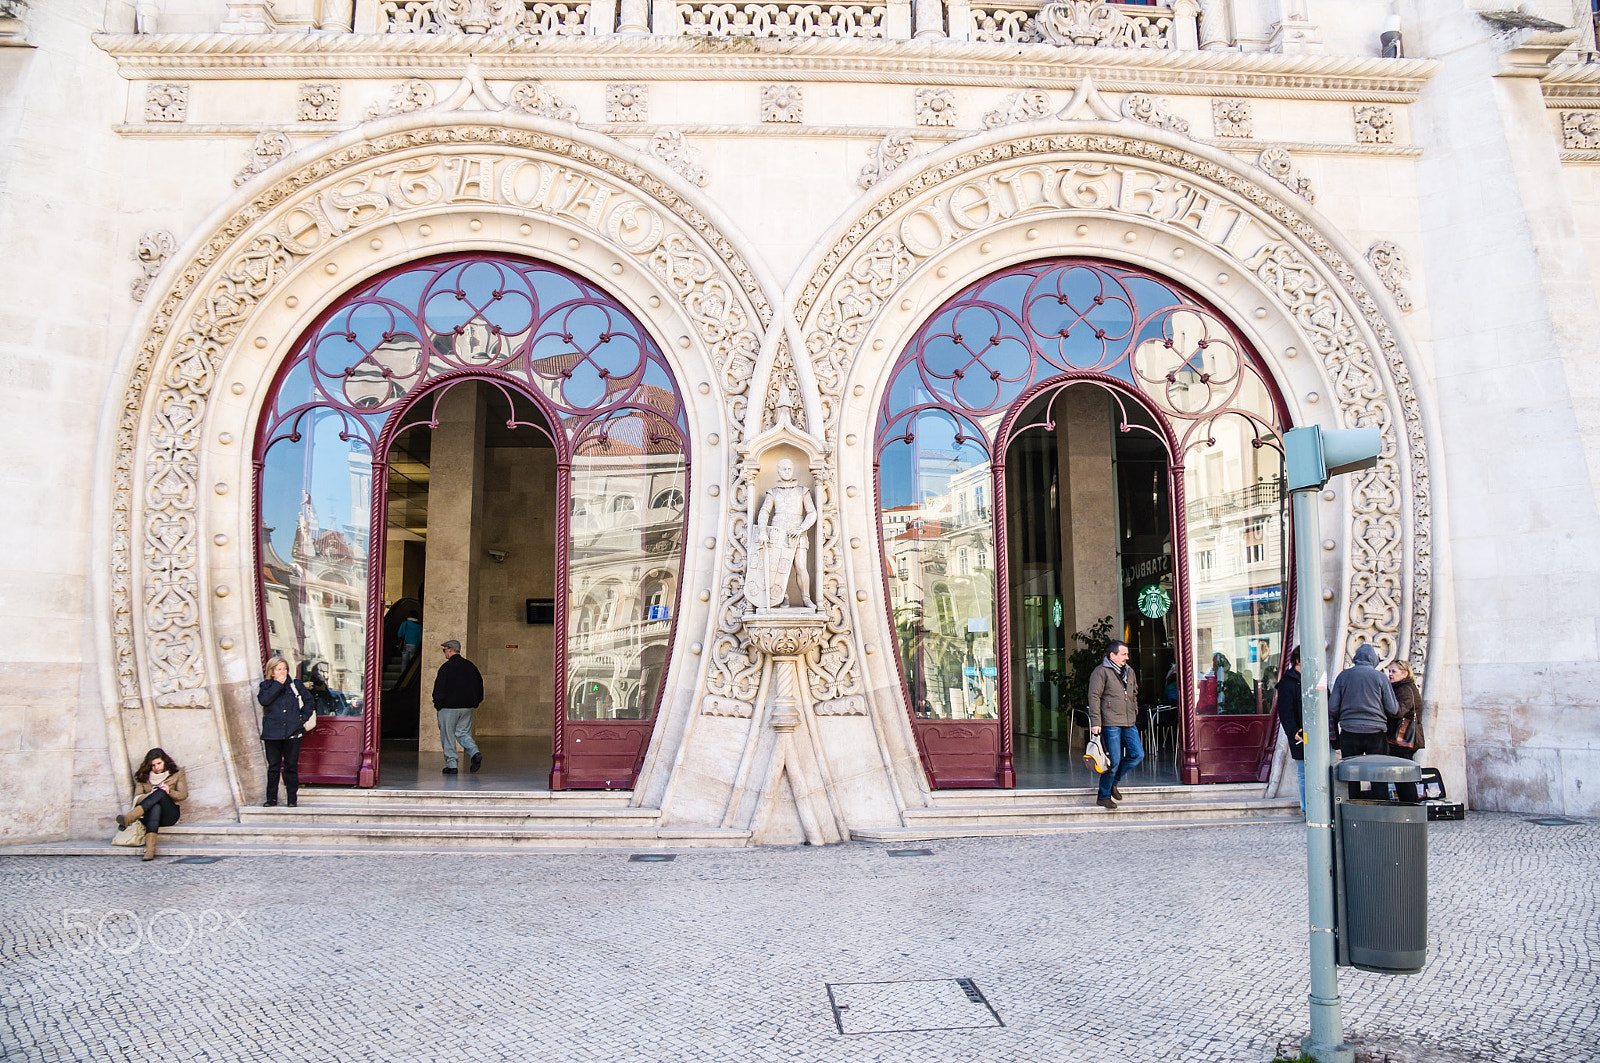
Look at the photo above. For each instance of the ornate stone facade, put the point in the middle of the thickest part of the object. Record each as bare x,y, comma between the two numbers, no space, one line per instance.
462,151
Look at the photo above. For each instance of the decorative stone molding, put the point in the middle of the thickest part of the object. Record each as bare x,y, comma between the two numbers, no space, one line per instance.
1142,107
156,498
886,156
1295,34
782,103
166,101
1233,118
671,148
727,707
783,403
785,636
936,108
1100,24
854,705
1580,130
1278,163
317,56
250,16
270,148
854,282
532,97
627,103
13,31
152,253
1374,125
719,18
408,96
1389,262
478,17
1029,105
319,101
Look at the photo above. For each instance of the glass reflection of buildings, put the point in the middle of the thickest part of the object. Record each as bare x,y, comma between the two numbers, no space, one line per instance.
940,555
315,600
627,511
1237,529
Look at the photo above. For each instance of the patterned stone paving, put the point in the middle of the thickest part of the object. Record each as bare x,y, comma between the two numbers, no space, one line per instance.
1158,945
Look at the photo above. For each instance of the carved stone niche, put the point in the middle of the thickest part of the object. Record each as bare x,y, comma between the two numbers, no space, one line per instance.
782,466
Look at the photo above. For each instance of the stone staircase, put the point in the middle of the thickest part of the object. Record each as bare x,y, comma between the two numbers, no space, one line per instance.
339,821
332,821
984,813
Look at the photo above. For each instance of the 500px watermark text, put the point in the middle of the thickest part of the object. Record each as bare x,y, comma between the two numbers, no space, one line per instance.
169,931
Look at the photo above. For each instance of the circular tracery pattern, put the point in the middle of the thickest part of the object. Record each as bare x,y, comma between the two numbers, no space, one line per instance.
490,315
1002,336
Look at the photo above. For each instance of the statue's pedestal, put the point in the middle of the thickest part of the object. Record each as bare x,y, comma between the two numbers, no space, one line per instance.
791,790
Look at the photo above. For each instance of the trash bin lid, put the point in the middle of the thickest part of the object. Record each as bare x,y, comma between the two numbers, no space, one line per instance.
1375,768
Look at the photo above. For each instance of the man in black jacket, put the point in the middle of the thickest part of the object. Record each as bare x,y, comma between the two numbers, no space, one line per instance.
457,690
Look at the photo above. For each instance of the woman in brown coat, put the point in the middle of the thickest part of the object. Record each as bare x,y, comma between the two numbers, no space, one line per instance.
159,788
1410,700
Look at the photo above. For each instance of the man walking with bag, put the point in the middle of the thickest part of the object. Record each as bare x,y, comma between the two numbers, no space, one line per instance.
1114,710
457,690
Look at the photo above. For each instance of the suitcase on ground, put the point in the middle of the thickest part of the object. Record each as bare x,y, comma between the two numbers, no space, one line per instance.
1434,798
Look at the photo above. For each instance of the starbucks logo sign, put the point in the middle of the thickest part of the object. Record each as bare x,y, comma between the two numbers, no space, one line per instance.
1154,601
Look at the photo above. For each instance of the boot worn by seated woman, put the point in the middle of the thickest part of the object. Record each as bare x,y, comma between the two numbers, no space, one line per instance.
150,846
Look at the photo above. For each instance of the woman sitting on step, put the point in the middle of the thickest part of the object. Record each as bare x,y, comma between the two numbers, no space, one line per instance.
159,788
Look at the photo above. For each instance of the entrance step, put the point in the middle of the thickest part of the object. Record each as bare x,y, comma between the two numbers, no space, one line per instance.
989,813
357,798
365,837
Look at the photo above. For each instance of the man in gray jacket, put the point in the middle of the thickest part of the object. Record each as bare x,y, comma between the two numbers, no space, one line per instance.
1114,711
1361,701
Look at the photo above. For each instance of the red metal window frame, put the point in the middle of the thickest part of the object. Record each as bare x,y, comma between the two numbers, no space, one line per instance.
1059,373
566,424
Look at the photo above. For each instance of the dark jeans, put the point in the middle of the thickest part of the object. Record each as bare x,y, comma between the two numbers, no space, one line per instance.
160,810
1125,751
1352,744
283,755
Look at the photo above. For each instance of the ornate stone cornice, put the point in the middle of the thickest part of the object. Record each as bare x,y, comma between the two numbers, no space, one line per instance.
199,57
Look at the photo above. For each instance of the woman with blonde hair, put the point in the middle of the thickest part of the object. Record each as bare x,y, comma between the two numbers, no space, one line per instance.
159,788
1405,731
286,705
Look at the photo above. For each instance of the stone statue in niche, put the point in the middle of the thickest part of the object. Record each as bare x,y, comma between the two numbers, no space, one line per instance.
780,543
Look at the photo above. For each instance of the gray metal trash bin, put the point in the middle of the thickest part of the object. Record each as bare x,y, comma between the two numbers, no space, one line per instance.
1381,868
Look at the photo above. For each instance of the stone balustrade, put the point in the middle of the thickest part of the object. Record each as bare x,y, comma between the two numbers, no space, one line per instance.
1094,23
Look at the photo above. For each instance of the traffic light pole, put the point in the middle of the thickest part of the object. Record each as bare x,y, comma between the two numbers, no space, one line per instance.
1326,1043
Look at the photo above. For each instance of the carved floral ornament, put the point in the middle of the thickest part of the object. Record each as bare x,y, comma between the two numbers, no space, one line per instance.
961,195
357,185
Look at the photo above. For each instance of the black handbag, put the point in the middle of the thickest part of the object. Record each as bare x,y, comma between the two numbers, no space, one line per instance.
1404,734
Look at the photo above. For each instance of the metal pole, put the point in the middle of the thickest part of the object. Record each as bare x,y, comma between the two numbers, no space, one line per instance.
1326,1043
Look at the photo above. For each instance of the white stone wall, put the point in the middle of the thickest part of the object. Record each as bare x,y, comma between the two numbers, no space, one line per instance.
1463,173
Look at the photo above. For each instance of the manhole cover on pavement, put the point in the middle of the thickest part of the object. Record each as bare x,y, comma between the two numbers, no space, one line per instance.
910,1007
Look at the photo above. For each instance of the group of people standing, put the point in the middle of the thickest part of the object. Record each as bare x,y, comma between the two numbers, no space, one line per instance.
1368,712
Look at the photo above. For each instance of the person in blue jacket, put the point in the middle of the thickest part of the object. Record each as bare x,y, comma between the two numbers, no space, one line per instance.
286,705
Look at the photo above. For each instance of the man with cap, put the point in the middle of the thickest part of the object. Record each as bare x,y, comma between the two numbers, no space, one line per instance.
457,690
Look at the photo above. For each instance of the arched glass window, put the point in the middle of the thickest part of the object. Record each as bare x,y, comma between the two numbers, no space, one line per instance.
573,368
981,379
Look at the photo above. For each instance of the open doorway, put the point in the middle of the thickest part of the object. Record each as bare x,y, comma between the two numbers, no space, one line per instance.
1089,540
470,535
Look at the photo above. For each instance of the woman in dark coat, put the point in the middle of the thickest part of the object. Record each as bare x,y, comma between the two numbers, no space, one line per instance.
285,707
159,788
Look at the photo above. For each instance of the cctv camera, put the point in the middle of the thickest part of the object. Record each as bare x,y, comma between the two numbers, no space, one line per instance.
497,555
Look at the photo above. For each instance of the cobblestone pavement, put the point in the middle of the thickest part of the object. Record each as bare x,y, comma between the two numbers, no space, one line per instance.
1160,945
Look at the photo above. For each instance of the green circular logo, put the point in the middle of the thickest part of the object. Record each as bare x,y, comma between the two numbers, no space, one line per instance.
1154,601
